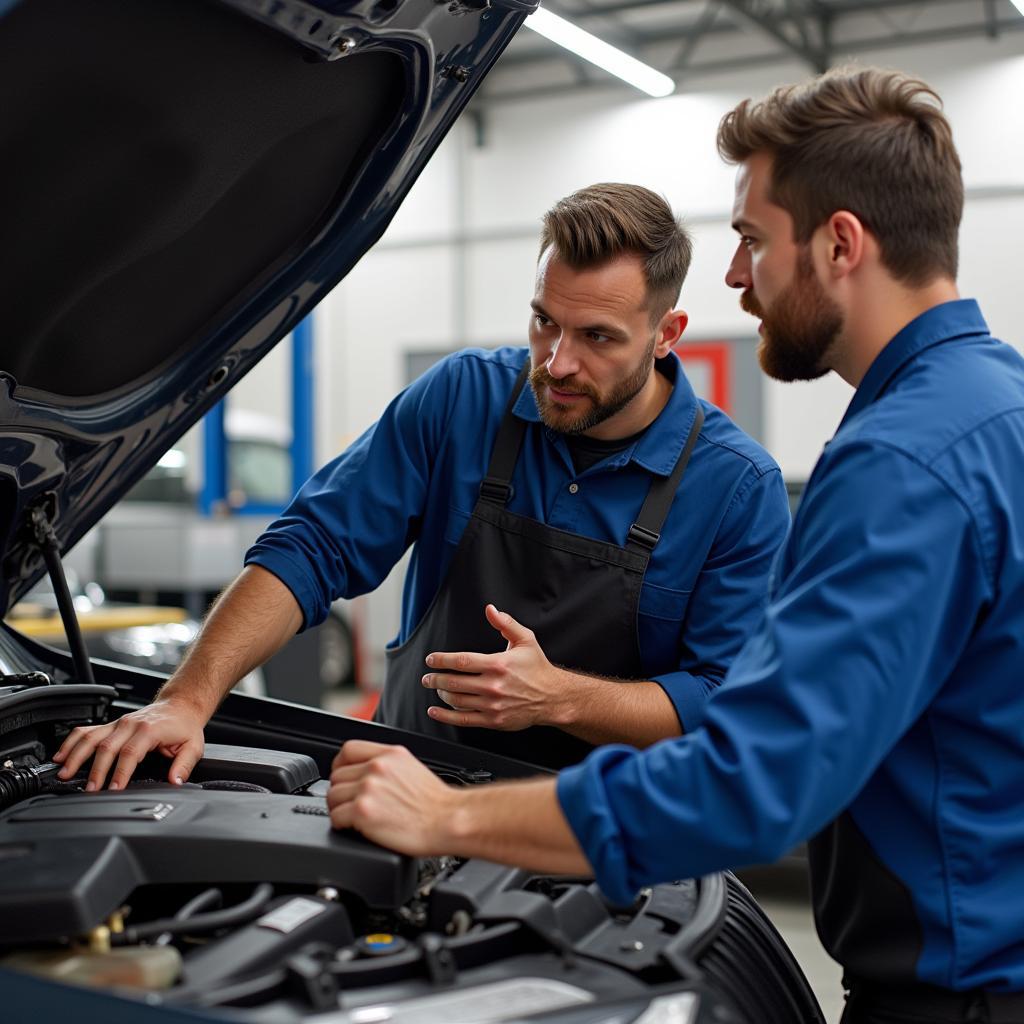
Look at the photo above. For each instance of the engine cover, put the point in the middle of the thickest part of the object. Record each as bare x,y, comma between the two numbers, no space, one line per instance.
67,862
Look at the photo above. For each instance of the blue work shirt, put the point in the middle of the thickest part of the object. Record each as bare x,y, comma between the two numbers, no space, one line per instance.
879,706
414,477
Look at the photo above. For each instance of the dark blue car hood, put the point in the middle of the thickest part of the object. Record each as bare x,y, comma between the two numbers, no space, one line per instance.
182,181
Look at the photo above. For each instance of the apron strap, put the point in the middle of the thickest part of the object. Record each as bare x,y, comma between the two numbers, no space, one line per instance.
497,484
645,533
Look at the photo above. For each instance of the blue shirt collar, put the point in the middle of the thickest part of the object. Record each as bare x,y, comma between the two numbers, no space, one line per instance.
660,446
945,322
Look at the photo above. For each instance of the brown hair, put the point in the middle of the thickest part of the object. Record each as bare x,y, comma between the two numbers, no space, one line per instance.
600,222
869,141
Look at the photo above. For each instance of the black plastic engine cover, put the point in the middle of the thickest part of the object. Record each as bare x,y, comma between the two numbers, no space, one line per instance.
280,771
67,862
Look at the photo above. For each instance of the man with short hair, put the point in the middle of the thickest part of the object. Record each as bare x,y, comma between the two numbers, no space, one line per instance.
569,585
878,706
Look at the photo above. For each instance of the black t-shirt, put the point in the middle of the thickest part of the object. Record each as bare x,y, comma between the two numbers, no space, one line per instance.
588,451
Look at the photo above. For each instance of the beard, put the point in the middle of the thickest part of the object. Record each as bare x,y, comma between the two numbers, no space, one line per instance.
799,329
599,406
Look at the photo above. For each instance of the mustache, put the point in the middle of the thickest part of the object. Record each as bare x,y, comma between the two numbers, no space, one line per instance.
750,305
539,377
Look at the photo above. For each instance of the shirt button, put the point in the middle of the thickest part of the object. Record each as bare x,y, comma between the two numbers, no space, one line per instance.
573,488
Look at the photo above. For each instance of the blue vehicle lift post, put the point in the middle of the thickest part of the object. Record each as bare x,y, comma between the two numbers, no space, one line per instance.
214,492
303,401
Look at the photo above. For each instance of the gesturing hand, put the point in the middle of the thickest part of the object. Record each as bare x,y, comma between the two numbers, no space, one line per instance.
511,690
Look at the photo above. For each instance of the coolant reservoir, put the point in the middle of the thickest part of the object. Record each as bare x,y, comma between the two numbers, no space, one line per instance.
138,967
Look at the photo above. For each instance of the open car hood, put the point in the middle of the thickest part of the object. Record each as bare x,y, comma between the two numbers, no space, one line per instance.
183,181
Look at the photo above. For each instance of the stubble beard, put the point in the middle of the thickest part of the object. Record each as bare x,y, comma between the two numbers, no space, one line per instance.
800,329
599,407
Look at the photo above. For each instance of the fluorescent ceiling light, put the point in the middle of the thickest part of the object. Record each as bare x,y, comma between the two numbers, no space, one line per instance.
1019,4
598,52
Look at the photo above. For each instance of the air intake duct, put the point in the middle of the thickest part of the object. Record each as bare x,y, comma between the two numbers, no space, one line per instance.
17,784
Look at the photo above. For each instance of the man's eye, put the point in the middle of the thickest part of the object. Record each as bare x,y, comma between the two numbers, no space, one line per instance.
540,320
746,241
599,339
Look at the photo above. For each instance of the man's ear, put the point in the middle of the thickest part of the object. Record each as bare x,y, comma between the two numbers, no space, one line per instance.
670,330
842,243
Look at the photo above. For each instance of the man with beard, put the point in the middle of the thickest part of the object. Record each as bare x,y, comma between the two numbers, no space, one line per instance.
568,584
878,706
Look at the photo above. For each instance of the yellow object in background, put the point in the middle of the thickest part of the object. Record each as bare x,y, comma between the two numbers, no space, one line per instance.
42,623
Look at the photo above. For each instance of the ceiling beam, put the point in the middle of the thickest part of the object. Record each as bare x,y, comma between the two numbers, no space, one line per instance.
700,28
765,16
732,64
992,19
625,33
654,37
834,10
922,37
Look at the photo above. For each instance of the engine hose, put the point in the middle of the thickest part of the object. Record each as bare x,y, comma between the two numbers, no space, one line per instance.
238,914
206,899
17,784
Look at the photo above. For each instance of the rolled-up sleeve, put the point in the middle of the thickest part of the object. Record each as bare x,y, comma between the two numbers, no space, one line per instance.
730,594
882,584
351,522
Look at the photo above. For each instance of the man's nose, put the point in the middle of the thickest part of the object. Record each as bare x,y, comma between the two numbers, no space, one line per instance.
563,361
738,274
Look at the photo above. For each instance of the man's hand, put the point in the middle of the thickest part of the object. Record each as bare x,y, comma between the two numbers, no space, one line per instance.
511,690
383,792
386,794
519,687
174,727
249,622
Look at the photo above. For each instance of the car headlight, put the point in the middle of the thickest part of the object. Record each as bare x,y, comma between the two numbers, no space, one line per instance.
479,1004
680,1008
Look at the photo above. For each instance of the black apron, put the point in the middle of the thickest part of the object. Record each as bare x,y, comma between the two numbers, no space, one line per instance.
579,596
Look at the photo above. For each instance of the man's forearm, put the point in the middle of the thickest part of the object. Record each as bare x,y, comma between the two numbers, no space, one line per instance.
385,793
248,623
616,711
517,823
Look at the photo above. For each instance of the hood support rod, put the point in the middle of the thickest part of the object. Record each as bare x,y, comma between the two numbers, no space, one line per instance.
46,538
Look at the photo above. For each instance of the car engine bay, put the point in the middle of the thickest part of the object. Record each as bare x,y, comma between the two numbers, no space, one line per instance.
232,892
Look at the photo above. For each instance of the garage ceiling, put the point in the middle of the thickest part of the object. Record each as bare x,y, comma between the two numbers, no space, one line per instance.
690,38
